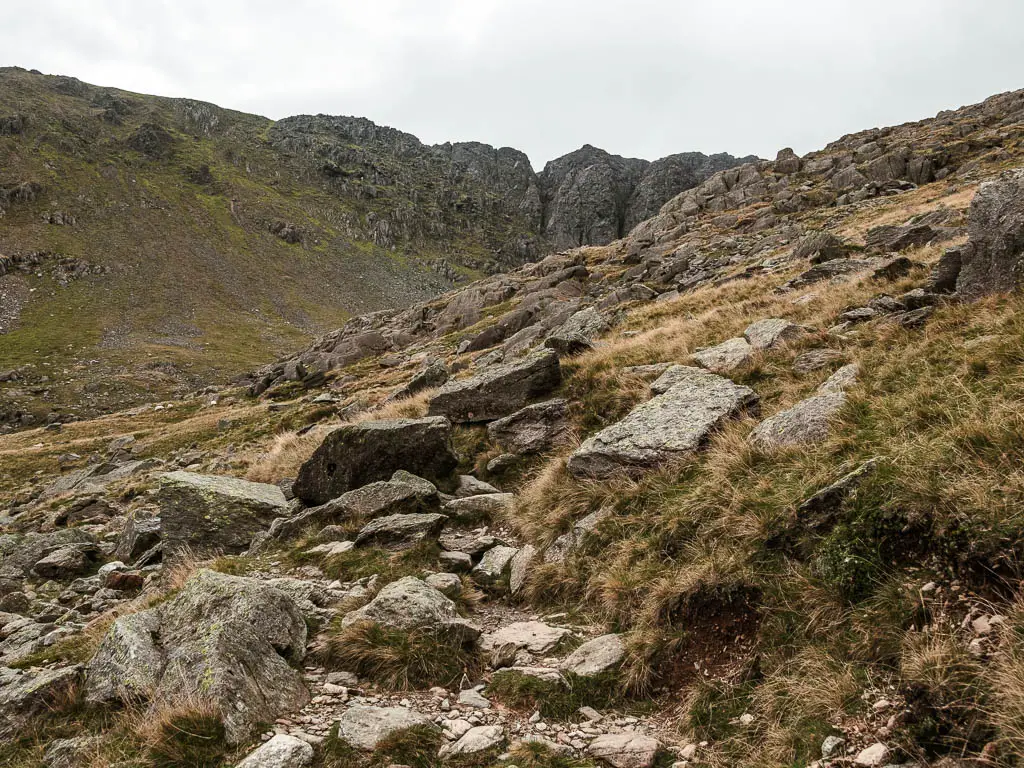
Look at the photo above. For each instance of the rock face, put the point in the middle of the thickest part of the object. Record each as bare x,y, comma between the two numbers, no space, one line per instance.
365,727
358,454
806,422
533,429
667,426
225,639
499,391
993,259
207,513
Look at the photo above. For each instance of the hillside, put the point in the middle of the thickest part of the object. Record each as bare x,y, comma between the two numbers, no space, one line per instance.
150,246
740,488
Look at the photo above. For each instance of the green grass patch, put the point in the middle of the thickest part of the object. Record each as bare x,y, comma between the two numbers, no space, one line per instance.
556,700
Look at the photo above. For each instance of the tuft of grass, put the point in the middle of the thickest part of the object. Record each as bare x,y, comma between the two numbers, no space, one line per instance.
285,455
187,735
398,659
559,700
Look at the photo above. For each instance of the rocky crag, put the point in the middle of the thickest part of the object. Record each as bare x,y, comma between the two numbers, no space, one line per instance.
205,240
740,488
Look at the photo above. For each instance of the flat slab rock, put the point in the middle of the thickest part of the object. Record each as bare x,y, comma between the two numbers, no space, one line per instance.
669,425
771,332
498,391
805,423
533,636
401,531
625,750
365,727
477,739
725,357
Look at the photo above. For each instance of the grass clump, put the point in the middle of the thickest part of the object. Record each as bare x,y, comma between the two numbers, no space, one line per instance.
398,659
558,700
187,736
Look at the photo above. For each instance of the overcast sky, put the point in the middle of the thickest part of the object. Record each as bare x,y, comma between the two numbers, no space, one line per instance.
642,78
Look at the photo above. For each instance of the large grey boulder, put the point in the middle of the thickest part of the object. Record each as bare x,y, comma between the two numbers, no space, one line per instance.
207,514
282,751
401,531
495,564
476,739
410,603
498,391
365,727
820,246
224,639
725,357
25,694
355,455
668,426
807,422
20,552
433,375
993,259
533,636
532,429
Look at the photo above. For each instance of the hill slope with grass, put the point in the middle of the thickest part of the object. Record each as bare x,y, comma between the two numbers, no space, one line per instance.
150,246
741,488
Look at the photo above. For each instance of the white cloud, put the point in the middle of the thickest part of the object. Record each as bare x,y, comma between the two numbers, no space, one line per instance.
645,79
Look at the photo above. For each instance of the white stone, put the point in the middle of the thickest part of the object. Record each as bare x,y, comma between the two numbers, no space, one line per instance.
875,755
281,751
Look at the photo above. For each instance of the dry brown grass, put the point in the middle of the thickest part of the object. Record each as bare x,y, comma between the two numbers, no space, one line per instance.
286,454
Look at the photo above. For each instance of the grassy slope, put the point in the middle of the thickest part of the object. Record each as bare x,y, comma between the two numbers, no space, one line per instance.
195,279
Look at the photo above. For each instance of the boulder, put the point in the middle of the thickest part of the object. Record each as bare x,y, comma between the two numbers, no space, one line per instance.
24,694
498,391
409,603
282,751
401,531
668,426
946,272
890,238
482,508
533,636
67,562
519,568
477,739
806,422
448,584
577,333
355,455
139,535
365,727
493,565
993,259
403,494
725,357
625,750
434,375
224,639
471,486
599,655
820,246
533,429
20,552
71,753
827,270
841,380
209,514
772,332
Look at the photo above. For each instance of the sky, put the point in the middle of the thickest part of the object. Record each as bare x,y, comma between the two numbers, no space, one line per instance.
642,78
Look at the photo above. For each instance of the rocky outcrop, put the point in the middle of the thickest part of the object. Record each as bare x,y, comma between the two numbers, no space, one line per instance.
498,391
27,693
806,422
410,603
225,639
993,259
533,429
355,455
669,425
